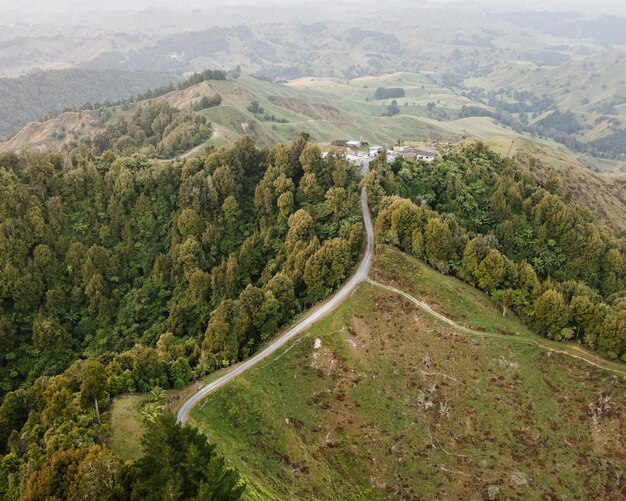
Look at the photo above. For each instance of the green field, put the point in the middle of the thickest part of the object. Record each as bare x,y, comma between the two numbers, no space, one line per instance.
379,400
331,108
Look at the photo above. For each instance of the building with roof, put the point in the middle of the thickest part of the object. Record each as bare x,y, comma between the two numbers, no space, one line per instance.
416,153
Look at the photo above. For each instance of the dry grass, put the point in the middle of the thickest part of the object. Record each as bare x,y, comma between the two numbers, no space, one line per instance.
127,426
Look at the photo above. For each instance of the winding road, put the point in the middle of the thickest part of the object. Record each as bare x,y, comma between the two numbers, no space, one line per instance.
361,275
318,313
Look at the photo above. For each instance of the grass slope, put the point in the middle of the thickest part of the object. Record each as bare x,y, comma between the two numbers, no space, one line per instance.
380,400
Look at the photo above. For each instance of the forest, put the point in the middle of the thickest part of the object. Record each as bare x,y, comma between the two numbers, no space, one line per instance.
486,220
124,275
34,96
155,130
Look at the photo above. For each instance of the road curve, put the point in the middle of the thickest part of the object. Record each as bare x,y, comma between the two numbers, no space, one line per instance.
320,312
508,337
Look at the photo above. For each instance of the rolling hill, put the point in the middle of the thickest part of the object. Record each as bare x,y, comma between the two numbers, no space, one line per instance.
31,97
330,109
382,401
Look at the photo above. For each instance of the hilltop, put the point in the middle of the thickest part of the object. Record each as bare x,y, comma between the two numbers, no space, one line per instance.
329,109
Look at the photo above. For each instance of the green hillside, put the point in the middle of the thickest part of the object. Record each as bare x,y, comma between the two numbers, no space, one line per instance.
330,108
382,401
327,109
33,96
601,193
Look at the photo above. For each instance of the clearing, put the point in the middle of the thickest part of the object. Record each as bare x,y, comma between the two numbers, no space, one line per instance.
381,400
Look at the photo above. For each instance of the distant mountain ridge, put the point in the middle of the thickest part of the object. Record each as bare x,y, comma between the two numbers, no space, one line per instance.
605,30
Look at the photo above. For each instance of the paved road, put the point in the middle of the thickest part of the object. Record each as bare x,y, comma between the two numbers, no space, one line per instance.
317,314
324,309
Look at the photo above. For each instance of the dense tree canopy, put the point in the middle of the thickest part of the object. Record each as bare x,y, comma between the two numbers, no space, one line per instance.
119,274
487,220
155,129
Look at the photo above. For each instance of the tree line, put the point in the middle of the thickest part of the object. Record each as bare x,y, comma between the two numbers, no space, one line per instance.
192,80
156,129
120,275
388,93
486,220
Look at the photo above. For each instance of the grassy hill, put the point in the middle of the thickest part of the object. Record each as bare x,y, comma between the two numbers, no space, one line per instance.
380,400
327,112
330,108
326,108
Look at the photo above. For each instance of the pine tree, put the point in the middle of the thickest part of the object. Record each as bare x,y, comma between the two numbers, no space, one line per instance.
551,314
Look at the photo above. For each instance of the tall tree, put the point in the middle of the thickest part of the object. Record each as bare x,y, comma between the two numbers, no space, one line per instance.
179,463
551,314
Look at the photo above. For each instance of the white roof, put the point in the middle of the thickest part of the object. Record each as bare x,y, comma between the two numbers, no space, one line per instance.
354,158
353,143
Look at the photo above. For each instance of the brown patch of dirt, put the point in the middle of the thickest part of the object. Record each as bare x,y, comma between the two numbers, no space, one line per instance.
53,134
316,111
324,361
607,439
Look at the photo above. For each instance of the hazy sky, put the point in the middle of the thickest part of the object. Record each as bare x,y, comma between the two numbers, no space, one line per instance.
20,10
605,6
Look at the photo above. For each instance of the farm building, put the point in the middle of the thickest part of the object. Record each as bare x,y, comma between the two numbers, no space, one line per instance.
409,152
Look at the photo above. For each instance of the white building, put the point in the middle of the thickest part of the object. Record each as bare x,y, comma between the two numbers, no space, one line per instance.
416,153
355,159
353,144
